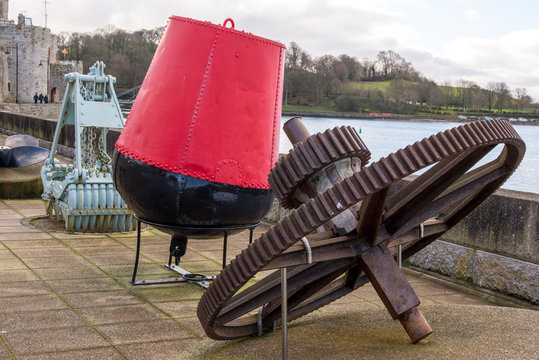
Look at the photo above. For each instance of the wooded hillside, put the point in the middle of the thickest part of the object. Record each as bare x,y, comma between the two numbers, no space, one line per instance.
388,83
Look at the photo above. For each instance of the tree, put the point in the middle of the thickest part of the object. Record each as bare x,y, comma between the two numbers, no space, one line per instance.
522,98
298,78
353,67
502,95
127,55
325,75
427,91
448,92
394,66
348,102
491,94
466,92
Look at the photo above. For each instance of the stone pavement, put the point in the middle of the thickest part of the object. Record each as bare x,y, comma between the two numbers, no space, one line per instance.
68,296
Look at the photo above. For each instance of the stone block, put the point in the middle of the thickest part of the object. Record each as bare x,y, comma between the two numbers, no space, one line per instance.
506,275
506,223
495,272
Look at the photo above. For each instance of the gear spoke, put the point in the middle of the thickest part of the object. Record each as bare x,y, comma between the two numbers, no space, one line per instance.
429,186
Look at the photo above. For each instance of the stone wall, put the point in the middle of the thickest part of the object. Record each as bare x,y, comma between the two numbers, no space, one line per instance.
35,45
496,247
4,8
3,75
57,81
44,111
44,129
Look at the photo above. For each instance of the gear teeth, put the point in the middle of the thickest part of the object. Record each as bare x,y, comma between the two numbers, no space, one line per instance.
311,156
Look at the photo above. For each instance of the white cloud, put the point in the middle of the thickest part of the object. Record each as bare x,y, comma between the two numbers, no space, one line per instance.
512,58
471,15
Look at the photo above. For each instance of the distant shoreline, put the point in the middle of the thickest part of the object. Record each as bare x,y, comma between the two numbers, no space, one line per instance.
396,117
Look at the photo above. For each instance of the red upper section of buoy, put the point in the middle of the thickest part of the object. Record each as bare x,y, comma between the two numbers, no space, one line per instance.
210,105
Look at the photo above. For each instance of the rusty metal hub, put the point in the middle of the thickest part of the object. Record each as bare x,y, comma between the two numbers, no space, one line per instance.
325,265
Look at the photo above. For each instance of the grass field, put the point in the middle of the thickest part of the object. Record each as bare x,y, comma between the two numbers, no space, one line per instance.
327,105
383,86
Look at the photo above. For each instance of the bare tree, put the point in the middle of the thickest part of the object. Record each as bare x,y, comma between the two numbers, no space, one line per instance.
353,66
325,74
448,92
427,91
490,94
522,98
502,95
466,91
293,55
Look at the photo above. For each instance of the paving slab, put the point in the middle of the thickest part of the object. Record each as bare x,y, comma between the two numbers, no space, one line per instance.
121,314
55,262
25,236
39,320
24,288
107,353
49,251
106,250
116,259
32,342
83,285
162,255
16,229
31,303
12,263
101,298
143,269
81,236
146,331
178,309
17,275
159,350
177,292
83,242
75,272
33,244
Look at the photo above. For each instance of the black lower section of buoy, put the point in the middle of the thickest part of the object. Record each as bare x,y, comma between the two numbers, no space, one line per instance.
162,197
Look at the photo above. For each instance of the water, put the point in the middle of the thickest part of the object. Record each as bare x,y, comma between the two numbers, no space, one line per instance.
385,137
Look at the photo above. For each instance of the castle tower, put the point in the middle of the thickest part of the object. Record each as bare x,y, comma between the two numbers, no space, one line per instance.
4,7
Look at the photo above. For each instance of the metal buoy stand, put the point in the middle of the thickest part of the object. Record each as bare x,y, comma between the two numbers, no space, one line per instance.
200,279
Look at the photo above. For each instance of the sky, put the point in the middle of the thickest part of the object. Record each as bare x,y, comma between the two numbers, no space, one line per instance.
445,40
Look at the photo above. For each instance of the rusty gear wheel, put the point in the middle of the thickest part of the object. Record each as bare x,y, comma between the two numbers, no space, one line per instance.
412,216
308,157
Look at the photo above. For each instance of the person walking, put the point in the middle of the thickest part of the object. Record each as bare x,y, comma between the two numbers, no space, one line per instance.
46,99
41,98
35,98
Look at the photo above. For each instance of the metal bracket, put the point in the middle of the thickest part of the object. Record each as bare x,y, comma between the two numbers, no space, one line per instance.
259,321
308,251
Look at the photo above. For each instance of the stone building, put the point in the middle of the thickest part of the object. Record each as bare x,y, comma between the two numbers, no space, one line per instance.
28,62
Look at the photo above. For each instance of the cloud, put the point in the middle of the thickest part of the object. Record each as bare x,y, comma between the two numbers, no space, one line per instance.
471,15
512,58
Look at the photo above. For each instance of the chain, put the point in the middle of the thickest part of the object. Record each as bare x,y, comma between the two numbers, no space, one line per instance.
93,153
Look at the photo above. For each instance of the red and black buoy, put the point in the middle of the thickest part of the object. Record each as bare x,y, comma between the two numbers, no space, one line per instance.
203,132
